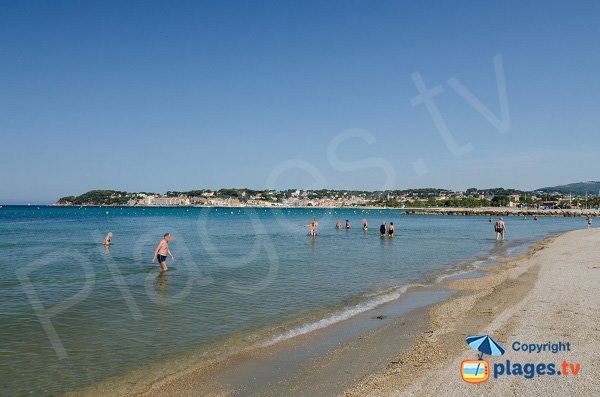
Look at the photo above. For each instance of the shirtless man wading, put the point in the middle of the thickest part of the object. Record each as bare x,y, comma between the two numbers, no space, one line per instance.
162,251
500,228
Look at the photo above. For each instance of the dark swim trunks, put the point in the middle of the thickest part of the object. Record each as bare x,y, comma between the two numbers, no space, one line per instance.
161,258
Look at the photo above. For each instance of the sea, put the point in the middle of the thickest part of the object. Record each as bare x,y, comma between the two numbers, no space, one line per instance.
75,314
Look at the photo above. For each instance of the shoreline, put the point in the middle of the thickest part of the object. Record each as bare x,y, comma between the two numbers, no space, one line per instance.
293,363
361,332
545,295
237,370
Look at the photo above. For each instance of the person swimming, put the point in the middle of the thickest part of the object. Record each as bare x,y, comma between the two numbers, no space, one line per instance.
391,229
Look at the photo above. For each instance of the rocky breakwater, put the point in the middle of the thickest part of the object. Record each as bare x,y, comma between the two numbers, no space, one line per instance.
503,211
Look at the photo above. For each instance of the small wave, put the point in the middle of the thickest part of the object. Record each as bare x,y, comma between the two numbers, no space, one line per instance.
343,314
443,277
457,271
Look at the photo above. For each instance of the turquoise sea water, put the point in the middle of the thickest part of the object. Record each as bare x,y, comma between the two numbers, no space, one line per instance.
74,314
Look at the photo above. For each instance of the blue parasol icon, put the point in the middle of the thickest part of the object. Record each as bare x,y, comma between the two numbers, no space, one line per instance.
486,345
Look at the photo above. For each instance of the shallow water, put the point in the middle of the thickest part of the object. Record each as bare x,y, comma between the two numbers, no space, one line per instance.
75,314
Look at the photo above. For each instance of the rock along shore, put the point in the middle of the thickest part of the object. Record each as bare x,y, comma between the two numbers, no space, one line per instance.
502,211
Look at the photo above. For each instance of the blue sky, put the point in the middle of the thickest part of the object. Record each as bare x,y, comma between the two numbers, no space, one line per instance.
157,96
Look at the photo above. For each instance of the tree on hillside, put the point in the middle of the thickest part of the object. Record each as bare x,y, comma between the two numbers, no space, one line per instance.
500,201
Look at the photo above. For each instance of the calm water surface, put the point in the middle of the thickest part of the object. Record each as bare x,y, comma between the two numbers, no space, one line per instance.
74,314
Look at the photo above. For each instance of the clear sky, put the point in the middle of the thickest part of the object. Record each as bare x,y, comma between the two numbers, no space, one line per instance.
157,96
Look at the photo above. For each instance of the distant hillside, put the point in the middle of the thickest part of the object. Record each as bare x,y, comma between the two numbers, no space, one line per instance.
580,188
97,197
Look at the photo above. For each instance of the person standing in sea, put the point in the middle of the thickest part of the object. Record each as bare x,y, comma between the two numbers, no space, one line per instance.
589,222
162,251
311,230
313,226
382,229
500,229
107,239
391,230
365,224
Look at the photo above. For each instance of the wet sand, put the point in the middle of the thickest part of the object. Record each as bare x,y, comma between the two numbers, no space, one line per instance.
548,295
324,362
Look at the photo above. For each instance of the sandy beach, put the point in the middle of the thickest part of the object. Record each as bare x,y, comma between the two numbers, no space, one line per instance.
549,295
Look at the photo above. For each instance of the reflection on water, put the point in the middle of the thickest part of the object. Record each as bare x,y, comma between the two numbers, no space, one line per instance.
161,284
313,245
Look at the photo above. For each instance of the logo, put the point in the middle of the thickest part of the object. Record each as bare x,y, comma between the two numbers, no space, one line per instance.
478,371
475,371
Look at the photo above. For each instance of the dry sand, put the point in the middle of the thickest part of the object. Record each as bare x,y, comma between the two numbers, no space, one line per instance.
548,295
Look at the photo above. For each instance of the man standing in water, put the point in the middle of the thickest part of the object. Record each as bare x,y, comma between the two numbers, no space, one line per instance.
107,239
500,228
382,229
162,251
313,227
